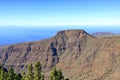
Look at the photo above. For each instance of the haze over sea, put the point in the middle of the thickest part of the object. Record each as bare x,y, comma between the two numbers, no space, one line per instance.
16,34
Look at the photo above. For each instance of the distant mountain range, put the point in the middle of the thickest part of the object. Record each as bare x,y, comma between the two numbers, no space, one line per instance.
104,34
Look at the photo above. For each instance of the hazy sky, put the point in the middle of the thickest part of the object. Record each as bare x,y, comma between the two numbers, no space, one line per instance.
59,12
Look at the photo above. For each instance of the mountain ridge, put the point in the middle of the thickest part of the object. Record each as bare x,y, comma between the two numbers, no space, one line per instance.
104,34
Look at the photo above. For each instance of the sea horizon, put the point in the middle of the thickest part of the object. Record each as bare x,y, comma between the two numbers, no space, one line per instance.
18,34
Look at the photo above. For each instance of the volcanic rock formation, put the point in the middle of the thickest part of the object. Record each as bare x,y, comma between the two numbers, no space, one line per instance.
79,55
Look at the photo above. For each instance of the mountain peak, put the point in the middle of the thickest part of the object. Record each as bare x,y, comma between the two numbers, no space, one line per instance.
71,32
72,35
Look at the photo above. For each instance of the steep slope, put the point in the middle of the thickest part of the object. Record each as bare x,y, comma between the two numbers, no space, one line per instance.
47,51
100,60
79,55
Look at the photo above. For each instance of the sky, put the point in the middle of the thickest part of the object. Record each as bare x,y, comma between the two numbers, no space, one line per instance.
59,12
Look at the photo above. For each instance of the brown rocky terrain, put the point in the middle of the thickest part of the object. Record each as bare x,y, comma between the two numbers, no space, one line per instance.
79,55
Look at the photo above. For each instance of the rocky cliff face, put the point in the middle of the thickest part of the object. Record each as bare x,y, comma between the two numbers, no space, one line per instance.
80,55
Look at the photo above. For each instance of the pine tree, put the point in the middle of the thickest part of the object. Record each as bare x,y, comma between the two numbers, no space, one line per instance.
53,75
11,74
23,76
38,72
37,75
29,75
18,76
56,75
42,76
59,75
3,74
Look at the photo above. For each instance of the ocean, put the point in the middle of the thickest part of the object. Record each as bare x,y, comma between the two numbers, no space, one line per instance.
15,34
